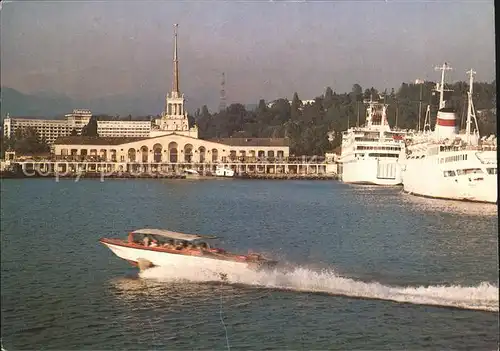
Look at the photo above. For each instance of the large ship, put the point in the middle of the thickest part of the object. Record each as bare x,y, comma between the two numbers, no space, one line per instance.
446,164
372,154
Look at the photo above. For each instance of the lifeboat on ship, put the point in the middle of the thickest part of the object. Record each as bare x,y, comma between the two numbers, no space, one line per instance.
146,248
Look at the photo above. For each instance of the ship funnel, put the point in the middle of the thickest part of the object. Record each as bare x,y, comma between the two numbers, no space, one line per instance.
446,123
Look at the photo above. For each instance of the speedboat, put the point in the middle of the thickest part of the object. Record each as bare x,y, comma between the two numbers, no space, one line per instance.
146,248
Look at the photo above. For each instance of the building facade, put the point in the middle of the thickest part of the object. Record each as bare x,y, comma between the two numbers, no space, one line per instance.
171,140
168,148
48,129
51,129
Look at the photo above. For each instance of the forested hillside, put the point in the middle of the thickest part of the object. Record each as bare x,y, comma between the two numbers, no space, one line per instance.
308,127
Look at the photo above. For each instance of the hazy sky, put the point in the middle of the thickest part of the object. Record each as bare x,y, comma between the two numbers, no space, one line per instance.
268,49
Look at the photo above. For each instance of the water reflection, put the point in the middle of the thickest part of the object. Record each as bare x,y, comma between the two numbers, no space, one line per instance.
135,290
451,206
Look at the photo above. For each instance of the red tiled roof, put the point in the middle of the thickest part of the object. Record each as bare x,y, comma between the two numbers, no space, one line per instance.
252,141
87,140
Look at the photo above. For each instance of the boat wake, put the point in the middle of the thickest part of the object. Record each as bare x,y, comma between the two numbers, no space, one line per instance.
482,297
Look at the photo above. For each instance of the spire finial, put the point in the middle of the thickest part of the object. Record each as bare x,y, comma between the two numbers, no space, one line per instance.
176,64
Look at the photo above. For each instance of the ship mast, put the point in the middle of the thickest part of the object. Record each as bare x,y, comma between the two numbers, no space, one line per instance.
470,111
427,121
440,87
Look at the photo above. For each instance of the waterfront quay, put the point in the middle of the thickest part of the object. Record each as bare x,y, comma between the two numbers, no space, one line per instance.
289,168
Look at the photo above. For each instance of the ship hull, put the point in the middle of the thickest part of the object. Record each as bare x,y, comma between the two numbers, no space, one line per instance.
372,171
426,177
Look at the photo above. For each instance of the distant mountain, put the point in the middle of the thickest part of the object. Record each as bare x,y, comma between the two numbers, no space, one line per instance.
54,105
18,104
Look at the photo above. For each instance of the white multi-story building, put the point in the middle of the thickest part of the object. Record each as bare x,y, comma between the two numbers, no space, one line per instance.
48,129
124,128
78,119
51,129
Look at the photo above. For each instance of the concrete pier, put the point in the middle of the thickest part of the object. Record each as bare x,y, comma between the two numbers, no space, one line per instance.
300,169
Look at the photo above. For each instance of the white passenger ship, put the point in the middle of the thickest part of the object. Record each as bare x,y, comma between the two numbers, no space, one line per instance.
448,165
372,154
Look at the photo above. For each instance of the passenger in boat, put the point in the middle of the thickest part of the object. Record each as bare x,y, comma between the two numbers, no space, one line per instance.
154,242
169,244
145,241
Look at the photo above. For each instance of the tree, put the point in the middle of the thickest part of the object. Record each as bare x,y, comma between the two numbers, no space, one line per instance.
295,108
25,141
307,127
328,100
91,128
73,132
261,108
357,92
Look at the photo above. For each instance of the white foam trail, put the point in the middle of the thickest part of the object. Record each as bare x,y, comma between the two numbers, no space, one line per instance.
481,297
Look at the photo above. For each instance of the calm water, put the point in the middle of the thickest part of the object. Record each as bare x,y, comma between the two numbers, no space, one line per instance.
368,268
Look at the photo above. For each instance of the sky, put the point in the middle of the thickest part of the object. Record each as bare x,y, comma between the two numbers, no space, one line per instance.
267,49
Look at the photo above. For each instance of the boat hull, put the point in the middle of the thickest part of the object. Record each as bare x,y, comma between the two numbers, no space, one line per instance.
372,171
466,187
149,257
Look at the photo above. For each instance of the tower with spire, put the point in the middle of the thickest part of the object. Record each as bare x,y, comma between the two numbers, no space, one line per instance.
174,116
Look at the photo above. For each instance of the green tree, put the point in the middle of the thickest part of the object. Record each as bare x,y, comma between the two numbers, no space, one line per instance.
295,107
328,100
25,141
307,126
91,128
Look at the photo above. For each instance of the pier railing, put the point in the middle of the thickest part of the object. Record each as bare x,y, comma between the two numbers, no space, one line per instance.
276,168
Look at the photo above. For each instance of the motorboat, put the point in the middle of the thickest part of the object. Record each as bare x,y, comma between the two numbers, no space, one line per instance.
191,173
146,248
224,171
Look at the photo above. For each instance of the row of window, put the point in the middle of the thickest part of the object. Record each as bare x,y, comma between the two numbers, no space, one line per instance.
123,130
416,157
378,155
389,148
466,171
455,158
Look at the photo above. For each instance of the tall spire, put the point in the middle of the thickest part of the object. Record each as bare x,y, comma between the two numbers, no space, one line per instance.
175,89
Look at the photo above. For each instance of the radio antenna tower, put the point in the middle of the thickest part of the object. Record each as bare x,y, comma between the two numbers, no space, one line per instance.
222,103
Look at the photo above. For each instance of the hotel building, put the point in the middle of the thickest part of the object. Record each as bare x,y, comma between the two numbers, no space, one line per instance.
51,129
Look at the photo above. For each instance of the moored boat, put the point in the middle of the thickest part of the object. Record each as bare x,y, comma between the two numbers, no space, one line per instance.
372,154
224,171
191,173
447,164
148,248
